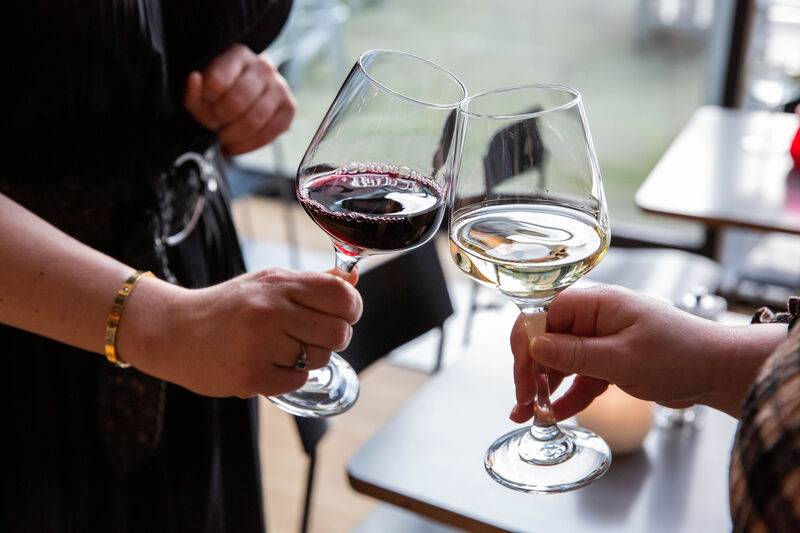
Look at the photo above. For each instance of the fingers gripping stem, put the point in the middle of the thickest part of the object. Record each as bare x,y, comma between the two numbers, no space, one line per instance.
535,323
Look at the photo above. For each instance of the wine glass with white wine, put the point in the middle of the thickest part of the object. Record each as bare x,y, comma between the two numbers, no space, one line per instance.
528,218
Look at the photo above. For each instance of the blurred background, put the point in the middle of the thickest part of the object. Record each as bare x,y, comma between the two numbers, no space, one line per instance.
643,68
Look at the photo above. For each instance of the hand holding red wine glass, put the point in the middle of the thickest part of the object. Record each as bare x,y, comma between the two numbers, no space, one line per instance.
374,178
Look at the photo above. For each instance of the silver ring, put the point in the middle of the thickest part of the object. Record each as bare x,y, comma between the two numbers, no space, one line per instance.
301,363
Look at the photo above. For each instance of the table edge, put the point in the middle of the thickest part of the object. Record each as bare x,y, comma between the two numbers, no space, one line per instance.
422,508
718,222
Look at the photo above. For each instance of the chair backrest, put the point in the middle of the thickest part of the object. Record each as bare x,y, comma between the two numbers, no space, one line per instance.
513,150
404,297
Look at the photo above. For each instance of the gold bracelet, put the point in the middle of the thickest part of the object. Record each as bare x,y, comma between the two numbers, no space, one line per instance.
114,316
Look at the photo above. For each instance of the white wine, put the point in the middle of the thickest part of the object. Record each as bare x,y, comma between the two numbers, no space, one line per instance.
527,251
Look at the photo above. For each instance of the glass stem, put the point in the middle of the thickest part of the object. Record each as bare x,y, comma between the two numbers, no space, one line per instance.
345,263
544,443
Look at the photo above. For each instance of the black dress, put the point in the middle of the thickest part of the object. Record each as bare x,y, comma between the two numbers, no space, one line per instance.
94,127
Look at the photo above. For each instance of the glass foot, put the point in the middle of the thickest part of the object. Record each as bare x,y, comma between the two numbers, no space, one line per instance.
589,459
329,391
681,420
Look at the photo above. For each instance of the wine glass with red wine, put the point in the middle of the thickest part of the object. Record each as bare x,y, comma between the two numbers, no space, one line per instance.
374,178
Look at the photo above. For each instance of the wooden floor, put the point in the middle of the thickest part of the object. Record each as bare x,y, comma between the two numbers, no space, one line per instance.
336,507
385,387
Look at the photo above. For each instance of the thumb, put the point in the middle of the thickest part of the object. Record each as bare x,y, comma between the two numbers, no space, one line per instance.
588,356
351,278
194,90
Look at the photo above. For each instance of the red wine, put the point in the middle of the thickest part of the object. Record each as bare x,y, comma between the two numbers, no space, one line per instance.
374,207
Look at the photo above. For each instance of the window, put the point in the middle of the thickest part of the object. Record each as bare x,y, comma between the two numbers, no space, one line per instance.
643,66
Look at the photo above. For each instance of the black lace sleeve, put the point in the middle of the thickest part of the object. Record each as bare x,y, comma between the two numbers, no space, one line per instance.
764,315
765,462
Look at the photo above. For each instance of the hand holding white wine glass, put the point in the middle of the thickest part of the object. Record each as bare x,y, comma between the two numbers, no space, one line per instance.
375,178
528,219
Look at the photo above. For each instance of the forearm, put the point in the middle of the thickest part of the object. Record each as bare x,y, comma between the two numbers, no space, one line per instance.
53,285
741,353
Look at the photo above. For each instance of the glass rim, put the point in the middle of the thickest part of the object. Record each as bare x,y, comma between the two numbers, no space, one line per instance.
385,51
576,99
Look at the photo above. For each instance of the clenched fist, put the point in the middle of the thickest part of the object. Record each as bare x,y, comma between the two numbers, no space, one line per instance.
241,97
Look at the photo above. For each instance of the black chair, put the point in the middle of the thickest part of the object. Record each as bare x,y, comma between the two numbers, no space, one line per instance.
404,298
514,150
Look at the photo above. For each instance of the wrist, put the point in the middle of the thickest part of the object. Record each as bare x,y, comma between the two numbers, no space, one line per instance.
741,352
143,332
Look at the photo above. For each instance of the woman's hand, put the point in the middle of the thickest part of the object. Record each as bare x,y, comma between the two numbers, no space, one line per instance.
238,338
243,98
647,347
242,337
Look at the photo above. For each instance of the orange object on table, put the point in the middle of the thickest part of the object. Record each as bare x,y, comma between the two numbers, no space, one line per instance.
622,420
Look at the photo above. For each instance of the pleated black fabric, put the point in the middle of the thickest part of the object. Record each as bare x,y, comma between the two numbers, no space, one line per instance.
90,136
